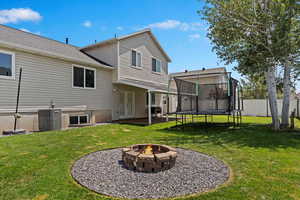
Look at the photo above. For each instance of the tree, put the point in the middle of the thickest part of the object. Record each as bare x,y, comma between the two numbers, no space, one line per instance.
257,34
289,33
254,87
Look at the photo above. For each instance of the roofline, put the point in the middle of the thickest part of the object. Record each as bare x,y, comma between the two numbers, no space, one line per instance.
40,36
200,70
112,40
48,54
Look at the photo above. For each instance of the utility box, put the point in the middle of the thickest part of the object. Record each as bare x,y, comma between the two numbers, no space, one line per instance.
50,119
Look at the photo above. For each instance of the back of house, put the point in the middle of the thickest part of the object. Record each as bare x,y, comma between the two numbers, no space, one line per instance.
98,83
141,66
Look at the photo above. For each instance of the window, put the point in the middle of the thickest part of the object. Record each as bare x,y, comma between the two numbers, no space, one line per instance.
152,98
136,58
156,65
90,78
7,64
80,119
78,77
84,77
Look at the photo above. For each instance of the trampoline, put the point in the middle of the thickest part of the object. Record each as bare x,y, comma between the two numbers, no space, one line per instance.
196,100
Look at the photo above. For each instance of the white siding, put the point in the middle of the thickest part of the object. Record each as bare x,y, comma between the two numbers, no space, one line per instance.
144,44
45,79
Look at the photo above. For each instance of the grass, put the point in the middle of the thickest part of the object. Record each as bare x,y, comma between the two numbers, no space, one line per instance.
265,164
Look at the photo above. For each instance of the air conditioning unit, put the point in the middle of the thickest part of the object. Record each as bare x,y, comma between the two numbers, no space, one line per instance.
50,119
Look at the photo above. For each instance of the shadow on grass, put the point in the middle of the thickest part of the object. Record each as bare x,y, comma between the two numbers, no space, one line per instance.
248,135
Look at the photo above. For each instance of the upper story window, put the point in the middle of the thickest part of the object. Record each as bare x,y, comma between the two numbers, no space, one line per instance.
84,77
136,58
156,65
7,65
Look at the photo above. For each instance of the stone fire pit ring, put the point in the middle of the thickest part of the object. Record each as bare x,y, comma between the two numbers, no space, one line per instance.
104,172
162,158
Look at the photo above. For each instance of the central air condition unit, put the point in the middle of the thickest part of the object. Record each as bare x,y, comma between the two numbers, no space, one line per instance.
50,119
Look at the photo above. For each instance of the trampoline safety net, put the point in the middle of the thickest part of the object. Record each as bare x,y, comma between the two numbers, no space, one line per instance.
219,98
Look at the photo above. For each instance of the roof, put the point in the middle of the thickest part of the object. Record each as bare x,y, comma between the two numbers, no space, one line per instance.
112,40
154,87
210,71
20,40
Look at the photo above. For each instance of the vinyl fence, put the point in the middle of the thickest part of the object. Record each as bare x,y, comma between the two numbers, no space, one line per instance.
260,107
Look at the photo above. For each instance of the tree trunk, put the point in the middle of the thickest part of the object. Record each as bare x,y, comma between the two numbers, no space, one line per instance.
286,96
272,95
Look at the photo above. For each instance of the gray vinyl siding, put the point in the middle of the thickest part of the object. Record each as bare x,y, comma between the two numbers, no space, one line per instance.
45,79
107,53
145,45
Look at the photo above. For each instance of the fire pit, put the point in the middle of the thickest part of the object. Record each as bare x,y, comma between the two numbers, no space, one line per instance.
149,157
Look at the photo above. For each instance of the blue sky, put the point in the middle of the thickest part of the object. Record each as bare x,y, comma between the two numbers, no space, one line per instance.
175,23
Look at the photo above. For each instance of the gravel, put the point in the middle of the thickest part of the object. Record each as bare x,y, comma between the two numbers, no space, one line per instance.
194,172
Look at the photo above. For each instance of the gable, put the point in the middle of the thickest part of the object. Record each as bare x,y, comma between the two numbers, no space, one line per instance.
147,41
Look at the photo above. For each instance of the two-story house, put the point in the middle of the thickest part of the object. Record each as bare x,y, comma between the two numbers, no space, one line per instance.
98,83
140,66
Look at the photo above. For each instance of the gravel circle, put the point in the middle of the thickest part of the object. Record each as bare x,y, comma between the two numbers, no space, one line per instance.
194,172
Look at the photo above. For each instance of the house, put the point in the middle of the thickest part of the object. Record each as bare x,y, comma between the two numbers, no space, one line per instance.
102,82
141,66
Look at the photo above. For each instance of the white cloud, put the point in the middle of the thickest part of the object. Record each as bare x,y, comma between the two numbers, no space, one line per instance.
175,24
194,36
28,31
16,15
168,24
87,24
120,28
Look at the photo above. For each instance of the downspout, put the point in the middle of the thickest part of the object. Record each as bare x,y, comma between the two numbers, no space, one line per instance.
118,60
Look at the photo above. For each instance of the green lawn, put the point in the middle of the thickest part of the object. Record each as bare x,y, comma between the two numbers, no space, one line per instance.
265,164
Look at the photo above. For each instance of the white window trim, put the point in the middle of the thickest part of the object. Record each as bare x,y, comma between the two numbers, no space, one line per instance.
13,67
136,59
84,87
155,64
78,117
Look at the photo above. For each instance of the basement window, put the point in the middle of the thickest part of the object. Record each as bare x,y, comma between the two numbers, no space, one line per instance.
84,77
7,65
79,119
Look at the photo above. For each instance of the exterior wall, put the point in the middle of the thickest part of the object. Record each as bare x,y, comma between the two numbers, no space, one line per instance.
141,108
107,53
45,79
258,107
30,120
140,101
144,44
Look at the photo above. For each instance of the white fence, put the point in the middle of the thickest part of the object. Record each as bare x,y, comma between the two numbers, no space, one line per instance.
261,107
